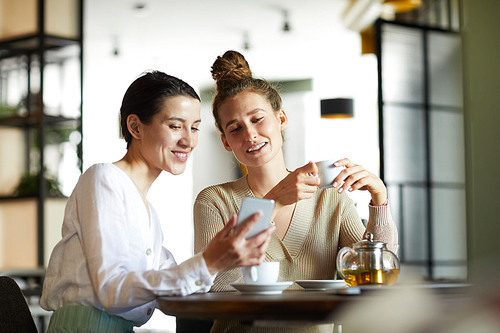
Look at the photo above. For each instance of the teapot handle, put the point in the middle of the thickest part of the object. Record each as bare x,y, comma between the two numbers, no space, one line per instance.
343,251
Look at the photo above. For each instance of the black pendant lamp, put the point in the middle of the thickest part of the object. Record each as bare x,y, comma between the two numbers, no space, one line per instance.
337,108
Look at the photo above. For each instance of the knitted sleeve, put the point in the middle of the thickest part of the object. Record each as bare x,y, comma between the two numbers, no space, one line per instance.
212,209
381,224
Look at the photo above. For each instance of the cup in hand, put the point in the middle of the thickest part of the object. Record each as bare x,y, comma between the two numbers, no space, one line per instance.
265,273
327,172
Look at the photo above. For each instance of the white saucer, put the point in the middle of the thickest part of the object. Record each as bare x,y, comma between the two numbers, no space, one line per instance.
321,284
261,288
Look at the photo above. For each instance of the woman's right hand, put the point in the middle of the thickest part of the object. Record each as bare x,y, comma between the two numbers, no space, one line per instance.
229,248
297,185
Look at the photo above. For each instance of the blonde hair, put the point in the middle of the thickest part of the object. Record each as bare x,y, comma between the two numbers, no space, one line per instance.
232,75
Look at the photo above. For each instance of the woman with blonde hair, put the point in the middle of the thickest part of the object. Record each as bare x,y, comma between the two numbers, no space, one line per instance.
311,223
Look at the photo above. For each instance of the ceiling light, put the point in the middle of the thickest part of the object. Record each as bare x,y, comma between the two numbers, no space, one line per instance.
139,6
140,9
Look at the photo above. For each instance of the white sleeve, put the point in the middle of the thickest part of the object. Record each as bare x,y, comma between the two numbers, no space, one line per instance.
192,273
116,262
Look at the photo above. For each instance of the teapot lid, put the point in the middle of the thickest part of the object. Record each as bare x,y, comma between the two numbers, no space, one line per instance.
368,243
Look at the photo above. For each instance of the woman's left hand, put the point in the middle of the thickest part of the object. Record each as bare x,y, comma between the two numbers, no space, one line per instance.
355,177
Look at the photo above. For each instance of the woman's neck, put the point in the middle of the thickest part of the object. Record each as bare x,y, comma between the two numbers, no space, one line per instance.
141,174
263,178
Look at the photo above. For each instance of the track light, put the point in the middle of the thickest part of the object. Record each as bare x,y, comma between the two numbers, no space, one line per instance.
286,23
116,45
246,41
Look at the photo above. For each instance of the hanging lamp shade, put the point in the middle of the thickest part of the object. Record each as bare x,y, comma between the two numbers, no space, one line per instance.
337,108
400,6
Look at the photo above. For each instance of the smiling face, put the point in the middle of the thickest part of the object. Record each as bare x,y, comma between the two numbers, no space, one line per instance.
252,129
167,142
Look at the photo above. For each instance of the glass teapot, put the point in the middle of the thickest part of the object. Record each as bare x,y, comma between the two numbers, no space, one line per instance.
369,263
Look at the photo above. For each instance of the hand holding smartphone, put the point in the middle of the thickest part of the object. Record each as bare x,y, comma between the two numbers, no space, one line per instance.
250,206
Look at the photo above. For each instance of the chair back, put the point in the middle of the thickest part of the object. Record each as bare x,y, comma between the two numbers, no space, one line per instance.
15,315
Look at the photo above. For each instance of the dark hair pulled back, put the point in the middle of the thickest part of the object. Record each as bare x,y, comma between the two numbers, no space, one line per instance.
232,75
145,97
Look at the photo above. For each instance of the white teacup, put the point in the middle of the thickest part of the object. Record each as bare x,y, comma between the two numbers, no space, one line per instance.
327,172
265,273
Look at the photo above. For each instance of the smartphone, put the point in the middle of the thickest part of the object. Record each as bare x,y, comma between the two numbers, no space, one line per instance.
250,206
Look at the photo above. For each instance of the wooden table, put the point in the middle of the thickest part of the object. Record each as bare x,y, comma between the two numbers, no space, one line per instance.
307,307
289,308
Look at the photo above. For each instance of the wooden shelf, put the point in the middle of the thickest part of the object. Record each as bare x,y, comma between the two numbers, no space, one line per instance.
40,51
27,197
32,120
32,43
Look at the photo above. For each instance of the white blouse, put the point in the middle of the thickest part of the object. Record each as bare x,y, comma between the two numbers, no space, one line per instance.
111,255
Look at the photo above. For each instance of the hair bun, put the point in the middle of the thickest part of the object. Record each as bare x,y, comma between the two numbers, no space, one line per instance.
231,67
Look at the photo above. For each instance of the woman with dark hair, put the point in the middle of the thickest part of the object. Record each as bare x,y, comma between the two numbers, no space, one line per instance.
109,267
311,223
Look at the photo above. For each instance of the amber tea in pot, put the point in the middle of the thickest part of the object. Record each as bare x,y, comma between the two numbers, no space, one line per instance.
358,277
368,263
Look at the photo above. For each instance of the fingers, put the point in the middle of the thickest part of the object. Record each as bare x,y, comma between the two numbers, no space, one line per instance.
297,185
360,183
228,228
310,168
253,250
257,249
314,181
255,261
344,162
229,248
261,259
232,221
355,177
267,240
308,174
247,225
314,168
262,237
227,231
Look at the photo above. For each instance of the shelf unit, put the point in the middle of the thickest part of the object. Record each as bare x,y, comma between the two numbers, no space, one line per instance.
41,90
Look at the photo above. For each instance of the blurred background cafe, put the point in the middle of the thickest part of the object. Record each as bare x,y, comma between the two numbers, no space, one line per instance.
413,84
